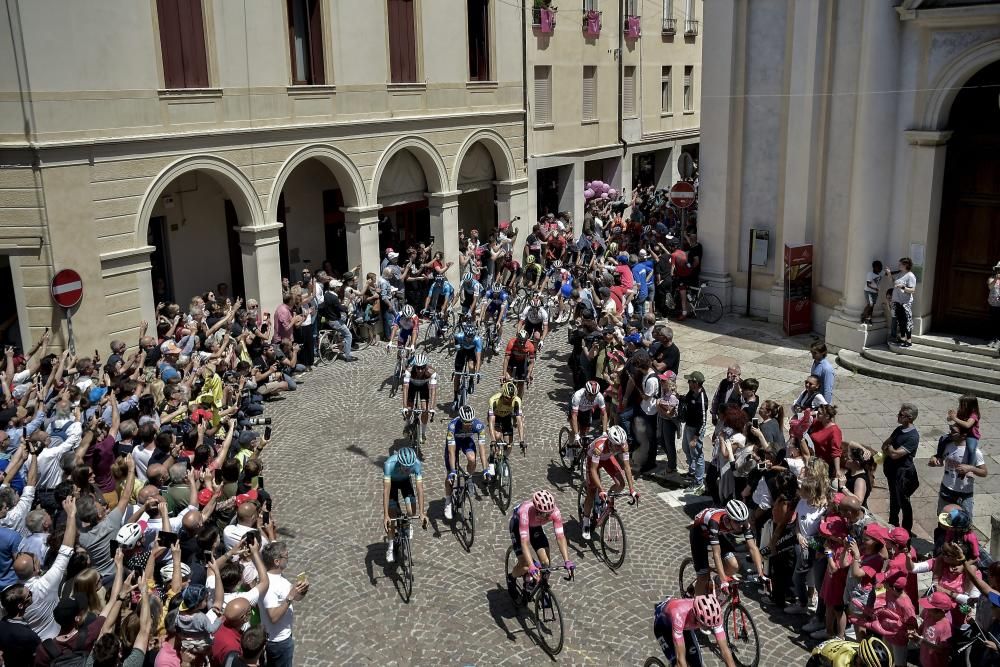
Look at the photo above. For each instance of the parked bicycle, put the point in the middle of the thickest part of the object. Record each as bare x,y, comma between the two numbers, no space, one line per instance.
464,515
331,341
545,616
608,525
701,304
741,631
403,355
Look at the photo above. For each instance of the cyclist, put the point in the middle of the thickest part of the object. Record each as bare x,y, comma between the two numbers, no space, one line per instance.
533,274
469,293
465,432
505,413
535,320
519,361
871,652
710,529
440,286
396,475
584,403
562,285
420,383
404,329
468,349
495,304
603,454
528,537
675,621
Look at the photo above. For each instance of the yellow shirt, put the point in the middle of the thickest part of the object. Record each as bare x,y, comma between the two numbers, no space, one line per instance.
499,408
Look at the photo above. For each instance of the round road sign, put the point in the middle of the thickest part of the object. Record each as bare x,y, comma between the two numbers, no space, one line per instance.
67,288
682,194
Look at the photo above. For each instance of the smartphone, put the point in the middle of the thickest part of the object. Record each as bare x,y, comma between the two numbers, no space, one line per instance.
166,538
260,485
755,422
217,475
266,517
251,537
761,466
267,432
300,578
114,548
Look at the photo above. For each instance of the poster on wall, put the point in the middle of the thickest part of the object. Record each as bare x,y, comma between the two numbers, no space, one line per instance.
797,315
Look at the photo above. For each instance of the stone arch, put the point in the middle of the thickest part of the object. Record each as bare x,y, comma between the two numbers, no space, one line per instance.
229,177
430,161
340,165
949,81
503,159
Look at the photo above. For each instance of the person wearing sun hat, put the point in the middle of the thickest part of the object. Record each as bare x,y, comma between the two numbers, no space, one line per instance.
951,576
955,525
898,548
935,630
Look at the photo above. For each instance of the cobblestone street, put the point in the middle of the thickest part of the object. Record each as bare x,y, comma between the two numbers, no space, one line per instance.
324,466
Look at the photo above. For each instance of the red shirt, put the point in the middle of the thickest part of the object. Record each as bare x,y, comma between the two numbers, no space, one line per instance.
828,441
225,641
679,259
626,274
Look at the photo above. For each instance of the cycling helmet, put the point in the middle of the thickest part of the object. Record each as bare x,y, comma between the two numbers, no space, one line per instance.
557,264
522,335
129,535
469,330
592,387
737,511
469,277
543,502
617,436
708,611
498,287
531,259
509,389
420,360
536,301
408,312
167,571
466,413
874,653
406,457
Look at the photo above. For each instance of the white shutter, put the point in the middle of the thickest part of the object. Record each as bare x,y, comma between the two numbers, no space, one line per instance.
543,94
589,92
668,9
688,88
590,5
628,92
666,94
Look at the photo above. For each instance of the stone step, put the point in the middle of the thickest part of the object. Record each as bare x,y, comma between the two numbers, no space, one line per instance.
955,368
896,373
965,344
947,356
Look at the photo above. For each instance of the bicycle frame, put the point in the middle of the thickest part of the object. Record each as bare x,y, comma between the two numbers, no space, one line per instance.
609,507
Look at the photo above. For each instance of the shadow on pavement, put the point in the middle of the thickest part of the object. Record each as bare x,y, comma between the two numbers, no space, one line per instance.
502,610
375,557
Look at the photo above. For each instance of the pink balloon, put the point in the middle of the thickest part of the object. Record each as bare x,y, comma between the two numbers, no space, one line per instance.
597,185
612,192
588,193
604,195
588,186
605,187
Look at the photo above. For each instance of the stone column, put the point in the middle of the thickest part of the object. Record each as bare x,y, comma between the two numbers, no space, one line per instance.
926,179
872,175
444,228
261,264
512,202
361,223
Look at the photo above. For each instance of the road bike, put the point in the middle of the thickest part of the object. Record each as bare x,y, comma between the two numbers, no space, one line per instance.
520,301
439,326
605,520
466,385
546,615
463,513
701,304
413,427
502,484
572,452
403,354
741,631
404,557
331,341
491,338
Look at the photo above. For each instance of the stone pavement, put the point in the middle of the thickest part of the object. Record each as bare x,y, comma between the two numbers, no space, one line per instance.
324,467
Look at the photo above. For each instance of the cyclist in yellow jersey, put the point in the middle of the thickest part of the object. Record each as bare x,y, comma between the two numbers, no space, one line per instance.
505,413
872,652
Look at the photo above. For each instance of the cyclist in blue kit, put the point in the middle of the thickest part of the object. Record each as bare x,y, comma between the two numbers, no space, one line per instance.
495,304
396,477
468,353
468,434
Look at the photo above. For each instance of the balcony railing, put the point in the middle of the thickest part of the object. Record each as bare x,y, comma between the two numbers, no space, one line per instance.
592,23
690,27
632,26
669,26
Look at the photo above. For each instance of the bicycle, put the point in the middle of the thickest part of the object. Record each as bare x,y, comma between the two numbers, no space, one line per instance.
402,361
519,302
605,520
412,428
331,341
704,306
464,516
546,614
491,339
573,453
501,485
439,326
466,384
741,631
404,557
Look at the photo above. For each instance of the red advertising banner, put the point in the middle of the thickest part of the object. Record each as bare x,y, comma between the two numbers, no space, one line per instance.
798,289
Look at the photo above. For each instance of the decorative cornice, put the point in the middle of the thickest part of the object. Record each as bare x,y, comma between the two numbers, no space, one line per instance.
927,137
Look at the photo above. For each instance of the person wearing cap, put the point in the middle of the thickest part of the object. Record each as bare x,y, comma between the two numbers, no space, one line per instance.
955,525
694,412
898,617
935,630
835,531
950,575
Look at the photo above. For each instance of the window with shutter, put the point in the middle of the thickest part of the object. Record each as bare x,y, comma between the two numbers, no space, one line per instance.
688,88
305,38
666,97
628,92
589,92
479,40
402,42
632,8
182,43
668,9
543,95
591,6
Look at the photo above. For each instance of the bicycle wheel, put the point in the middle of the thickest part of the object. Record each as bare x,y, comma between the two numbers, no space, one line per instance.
363,334
710,308
465,518
405,565
581,496
548,622
654,662
566,451
463,392
513,586
686,578
327,349
741,633
503,485
613,543
396,376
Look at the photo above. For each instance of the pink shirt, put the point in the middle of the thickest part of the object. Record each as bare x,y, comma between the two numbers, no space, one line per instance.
935,641
282,322
680,612
902,606
528,517
167,656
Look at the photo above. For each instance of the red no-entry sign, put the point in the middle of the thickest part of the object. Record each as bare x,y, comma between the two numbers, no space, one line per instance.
682,194
67,288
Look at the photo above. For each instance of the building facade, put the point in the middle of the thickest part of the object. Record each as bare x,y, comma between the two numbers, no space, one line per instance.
867,129
162,147
613,95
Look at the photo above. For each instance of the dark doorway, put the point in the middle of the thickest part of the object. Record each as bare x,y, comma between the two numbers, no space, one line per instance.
549,191
969,236
643,170
10,330
283,238
238,288
335,230
159,259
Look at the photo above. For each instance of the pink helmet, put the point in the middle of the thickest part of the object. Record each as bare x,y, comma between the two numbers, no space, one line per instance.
708,611
543,502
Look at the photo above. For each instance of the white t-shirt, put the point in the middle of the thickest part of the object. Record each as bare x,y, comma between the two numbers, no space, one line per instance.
650,387
233,533
540,317
277,593
898,294
954,456
809,518
871,282
141,457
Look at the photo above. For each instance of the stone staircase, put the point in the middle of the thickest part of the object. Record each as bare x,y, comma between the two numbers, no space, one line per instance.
949,363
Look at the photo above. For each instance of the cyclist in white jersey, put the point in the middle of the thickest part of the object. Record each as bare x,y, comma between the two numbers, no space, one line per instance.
535,320
584,403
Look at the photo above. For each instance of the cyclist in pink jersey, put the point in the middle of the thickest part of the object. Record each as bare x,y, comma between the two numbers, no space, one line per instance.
527,536
674,623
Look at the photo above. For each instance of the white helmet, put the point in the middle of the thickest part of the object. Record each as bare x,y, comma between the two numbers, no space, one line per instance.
129,535
737,511
167,571
408,311
617,436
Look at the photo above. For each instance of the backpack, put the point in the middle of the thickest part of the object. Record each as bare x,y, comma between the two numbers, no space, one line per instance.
60,656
